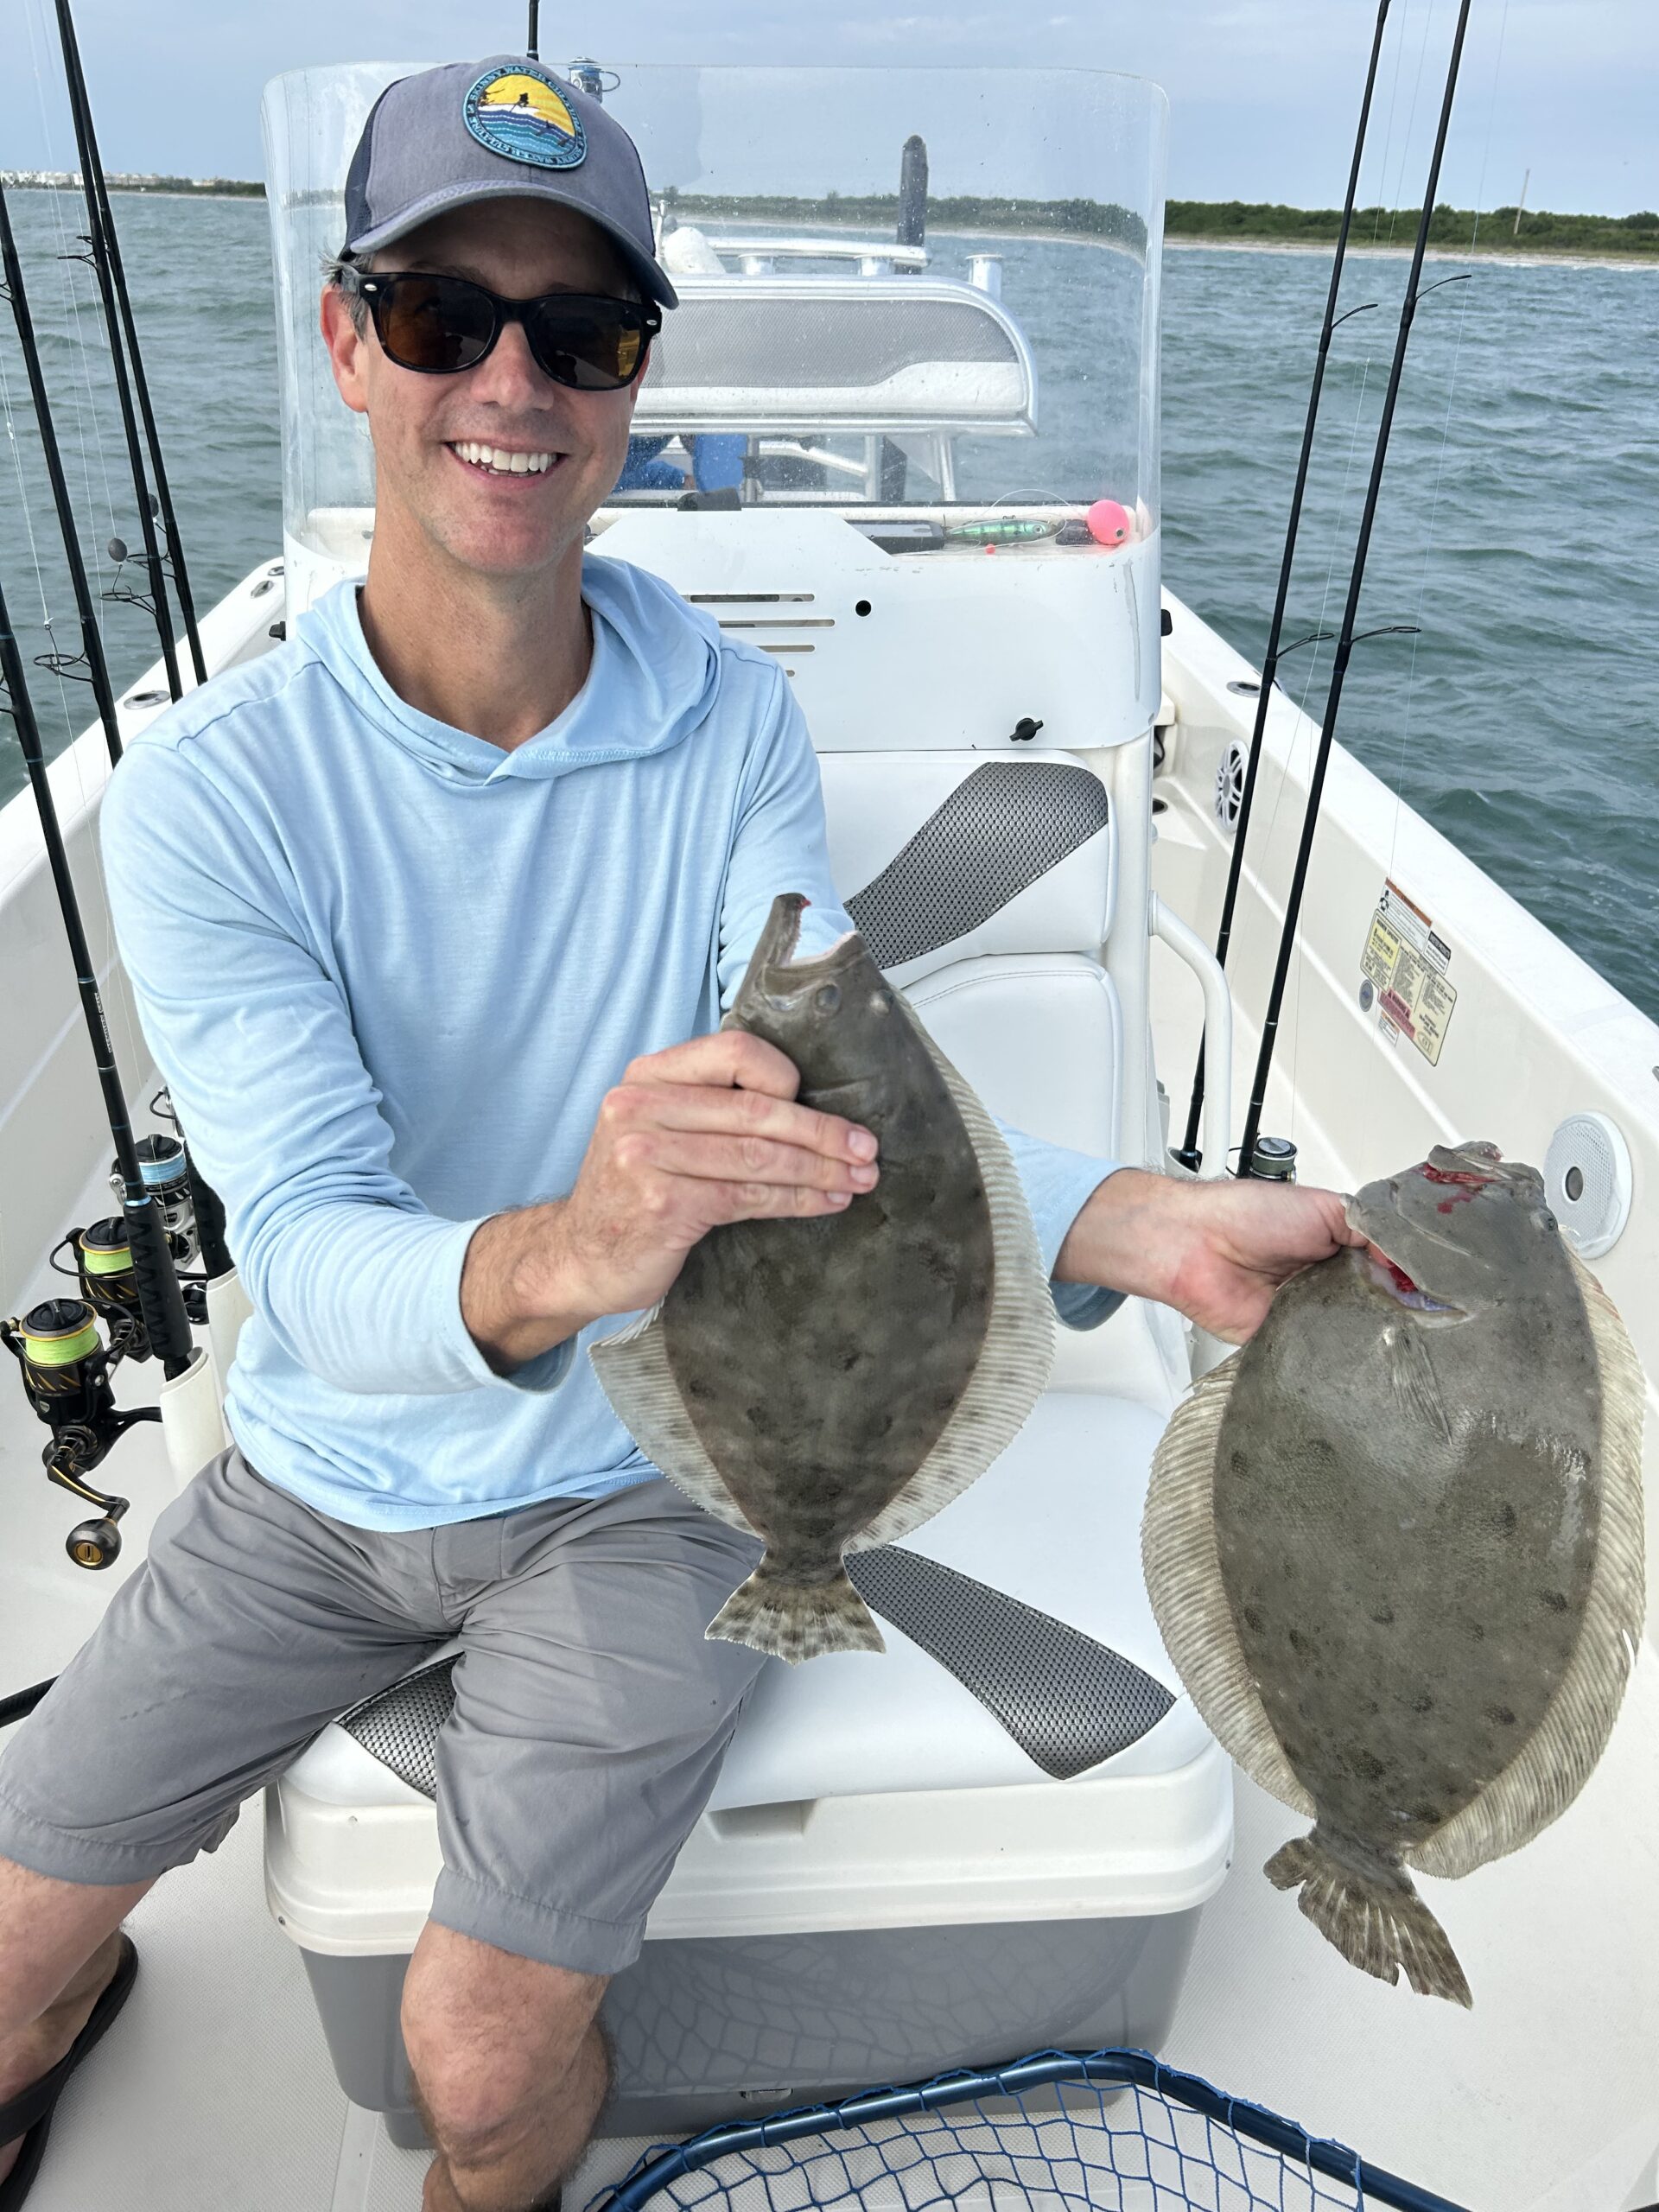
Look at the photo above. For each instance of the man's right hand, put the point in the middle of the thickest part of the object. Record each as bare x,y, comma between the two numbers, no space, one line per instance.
704,1133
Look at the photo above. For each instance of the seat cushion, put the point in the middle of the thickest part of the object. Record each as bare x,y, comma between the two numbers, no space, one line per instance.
950,855
1039,1036
1053,1526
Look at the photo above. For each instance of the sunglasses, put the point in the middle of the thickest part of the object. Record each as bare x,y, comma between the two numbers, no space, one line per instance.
438,325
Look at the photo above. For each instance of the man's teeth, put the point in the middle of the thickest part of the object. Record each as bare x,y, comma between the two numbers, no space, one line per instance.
501,461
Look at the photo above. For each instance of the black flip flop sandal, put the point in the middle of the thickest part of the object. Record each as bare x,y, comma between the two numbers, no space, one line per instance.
30,2113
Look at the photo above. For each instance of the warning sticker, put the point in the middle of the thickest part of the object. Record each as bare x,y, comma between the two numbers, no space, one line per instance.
1407,964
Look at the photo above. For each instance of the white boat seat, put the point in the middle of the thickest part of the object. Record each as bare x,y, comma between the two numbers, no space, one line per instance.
985,889
1031,1651
816,354
949,855
1021,1643
1039,1038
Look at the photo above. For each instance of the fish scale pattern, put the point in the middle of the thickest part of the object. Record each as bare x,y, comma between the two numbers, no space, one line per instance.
1068,1702
999,832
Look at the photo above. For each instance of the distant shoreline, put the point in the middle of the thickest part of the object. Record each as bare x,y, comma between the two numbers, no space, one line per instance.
1499,257
1503,256
157,188
1510,253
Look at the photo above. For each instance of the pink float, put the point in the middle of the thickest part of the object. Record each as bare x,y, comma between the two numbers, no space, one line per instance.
1109,523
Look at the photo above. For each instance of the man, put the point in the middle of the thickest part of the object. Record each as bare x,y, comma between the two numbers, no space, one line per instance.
430,912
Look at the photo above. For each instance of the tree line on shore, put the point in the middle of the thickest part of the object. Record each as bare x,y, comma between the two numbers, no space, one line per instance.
1526,229
1243,221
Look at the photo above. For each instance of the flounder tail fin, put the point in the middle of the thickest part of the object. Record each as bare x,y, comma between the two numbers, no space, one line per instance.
1375,1919
772,1612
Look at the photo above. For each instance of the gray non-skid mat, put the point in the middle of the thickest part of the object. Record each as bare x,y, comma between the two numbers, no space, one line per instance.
399,1727
1000,830
1067,1701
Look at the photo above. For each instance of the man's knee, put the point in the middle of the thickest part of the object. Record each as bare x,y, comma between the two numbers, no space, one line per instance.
492,2038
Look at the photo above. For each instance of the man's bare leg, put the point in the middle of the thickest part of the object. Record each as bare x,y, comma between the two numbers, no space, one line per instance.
509,2067
57,1949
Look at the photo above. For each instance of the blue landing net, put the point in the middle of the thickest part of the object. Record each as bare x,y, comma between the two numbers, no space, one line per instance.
1106,2131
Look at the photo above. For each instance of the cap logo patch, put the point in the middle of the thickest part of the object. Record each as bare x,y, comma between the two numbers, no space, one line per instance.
523,114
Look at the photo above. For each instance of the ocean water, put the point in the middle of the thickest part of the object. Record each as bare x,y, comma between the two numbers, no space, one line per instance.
1518,528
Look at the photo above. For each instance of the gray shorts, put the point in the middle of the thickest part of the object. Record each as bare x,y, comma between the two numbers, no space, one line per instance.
590,1714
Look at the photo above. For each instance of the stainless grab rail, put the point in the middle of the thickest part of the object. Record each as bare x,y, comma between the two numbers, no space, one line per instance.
1188,945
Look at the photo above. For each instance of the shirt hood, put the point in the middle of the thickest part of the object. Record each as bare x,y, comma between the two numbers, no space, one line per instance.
654,676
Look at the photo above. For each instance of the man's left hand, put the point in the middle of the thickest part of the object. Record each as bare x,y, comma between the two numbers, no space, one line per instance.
1214,1251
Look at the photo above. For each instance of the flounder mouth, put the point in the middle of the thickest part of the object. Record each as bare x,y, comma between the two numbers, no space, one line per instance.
1389,1277
1455,1177
781,934
773,962
847,947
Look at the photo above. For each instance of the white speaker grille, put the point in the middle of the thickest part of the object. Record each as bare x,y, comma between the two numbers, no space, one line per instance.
1587,1182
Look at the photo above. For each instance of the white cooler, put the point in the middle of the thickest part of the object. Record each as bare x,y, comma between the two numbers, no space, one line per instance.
899,1870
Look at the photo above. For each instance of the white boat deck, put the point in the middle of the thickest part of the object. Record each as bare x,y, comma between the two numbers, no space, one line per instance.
214,2090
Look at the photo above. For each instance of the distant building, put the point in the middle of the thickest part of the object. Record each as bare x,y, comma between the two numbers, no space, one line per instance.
69,181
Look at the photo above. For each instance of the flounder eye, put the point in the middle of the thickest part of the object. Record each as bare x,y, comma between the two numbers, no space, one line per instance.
880,1002
827,998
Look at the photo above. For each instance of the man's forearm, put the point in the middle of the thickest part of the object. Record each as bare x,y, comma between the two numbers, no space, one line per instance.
1216,1251
513,1297
1115,1240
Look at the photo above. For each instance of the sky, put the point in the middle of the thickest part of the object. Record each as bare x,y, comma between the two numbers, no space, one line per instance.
1264,93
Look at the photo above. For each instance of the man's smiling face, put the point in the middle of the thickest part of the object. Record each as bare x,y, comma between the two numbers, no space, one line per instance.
496,467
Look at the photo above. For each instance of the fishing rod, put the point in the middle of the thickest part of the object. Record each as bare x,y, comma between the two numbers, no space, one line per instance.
1189,1155
23,1702
1345,638
124,1266
92,641
141,382
532,36
105,252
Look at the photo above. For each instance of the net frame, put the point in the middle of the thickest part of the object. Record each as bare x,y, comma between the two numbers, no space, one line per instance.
1187,2146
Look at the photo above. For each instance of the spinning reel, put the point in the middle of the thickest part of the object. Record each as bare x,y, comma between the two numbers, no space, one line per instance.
68,1348
167,1178
66,1364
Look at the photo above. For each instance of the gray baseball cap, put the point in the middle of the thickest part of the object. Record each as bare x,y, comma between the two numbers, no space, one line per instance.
505,128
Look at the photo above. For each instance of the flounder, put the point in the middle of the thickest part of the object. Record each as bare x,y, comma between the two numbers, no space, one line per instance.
1394,1547
830,1383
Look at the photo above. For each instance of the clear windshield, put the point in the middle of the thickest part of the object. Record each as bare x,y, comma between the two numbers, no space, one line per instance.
983,341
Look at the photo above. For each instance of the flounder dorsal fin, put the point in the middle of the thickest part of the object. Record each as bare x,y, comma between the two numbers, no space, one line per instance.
1553,1764
634,1374
1190,1603
1018,1349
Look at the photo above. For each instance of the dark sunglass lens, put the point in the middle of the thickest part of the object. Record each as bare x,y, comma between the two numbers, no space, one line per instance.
593,345
436,323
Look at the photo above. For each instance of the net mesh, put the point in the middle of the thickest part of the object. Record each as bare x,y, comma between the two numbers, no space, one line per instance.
1077,2145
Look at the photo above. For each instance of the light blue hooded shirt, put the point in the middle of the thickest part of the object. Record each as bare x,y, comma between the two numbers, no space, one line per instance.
389,972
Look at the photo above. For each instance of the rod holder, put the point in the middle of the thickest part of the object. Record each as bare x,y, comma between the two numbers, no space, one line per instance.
191,1421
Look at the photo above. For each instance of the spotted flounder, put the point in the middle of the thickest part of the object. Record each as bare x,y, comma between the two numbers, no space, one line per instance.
830,1383
1395,1548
